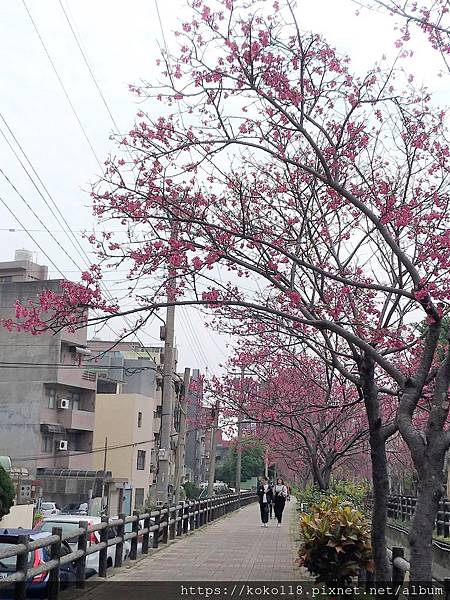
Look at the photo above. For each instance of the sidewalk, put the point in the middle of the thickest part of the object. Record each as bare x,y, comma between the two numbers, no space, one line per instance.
234,548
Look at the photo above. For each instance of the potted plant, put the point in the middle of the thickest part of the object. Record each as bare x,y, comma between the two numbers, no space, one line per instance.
336,542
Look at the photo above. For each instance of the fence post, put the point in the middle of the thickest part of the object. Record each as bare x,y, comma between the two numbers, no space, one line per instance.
21,567
146,537
134,541
186,517
103,554
196,508
447,588
165,520
155,542
118,556
172,517
397,574
179,514
192,515
81,562
447,518
55,554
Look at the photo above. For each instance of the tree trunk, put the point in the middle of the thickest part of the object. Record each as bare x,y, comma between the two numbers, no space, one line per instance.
318,477
430,491
379,507
380,477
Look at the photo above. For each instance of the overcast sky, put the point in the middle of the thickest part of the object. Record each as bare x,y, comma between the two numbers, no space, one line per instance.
121,42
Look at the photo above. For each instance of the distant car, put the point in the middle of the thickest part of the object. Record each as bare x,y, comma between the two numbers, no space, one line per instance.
70,522
49,508
75,508
37,587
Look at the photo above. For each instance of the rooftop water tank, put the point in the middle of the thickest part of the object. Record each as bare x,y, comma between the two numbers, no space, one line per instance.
26,255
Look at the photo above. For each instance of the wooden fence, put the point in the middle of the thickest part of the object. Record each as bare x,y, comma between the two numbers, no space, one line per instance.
168,524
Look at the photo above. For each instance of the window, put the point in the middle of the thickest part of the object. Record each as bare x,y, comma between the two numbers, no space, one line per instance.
47,444
51,395
157,413
139,419
139,498
140,466
75,400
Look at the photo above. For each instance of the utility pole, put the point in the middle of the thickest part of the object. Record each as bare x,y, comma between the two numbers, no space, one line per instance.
162,488
239,440
105,457
266,462
181,447
212,453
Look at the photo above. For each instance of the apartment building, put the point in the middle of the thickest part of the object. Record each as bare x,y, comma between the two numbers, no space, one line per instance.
124,427
128,368
47,397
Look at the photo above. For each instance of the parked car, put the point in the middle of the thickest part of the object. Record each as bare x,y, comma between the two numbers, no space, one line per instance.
49,508
36,586
70,522
74,508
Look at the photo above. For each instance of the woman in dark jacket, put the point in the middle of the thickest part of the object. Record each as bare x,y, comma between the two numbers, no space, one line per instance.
265,496
280,493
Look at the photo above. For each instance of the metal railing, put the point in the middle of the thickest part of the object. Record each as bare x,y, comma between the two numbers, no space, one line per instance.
168,524
401,508
400,567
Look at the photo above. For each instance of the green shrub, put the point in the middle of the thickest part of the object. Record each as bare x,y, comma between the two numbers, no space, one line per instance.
336,542
345,491
192,491
7,493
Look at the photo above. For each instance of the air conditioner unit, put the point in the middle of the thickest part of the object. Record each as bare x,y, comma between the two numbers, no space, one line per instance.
62,444
63,403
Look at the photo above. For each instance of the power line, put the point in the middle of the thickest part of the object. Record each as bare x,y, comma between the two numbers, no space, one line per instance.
114,122
55,205
33,211
62,85
93,451
85,366
32,237
83,54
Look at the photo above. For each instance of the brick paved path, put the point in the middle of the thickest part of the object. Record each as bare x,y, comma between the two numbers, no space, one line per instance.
234,548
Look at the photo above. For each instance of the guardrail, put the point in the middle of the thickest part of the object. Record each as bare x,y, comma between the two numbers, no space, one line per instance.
402,508
399,568
169,523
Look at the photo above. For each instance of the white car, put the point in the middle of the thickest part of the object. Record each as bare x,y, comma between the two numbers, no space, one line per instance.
70,522
49,509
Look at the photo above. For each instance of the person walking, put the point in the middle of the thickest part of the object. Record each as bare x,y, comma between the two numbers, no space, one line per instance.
271,501
265,496
279,497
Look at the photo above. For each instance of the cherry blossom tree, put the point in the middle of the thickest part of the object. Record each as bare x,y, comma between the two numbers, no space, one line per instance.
303,411
430,18
277,183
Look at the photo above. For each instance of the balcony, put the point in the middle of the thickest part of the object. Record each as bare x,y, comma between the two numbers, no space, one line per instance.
77,377
69,419
78,461
77,419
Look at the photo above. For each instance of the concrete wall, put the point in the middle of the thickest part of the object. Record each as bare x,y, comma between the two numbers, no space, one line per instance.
19,516
20,434
116,417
